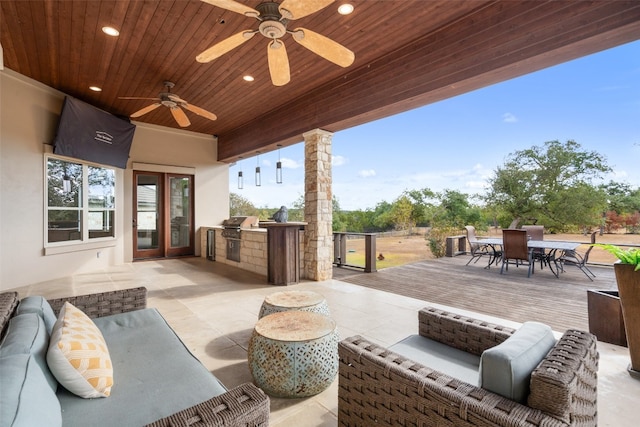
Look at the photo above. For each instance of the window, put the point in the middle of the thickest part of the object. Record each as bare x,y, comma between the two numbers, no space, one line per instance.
80,202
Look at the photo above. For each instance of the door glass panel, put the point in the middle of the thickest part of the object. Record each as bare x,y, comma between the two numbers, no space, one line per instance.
179,211
148,211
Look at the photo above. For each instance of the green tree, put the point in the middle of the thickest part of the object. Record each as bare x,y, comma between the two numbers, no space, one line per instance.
455,210
357,221
381,218
401,213
339,222
621,197
552,183
240,206
297,213
422,204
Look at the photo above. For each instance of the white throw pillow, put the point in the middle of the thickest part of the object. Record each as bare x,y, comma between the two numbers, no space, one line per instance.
78,356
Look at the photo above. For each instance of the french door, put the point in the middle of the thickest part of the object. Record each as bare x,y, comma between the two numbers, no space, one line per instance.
162,215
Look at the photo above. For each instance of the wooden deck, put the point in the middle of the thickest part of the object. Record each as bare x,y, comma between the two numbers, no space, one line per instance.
559,302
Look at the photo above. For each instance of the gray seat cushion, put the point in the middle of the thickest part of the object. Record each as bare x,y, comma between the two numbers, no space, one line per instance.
435,355
155,375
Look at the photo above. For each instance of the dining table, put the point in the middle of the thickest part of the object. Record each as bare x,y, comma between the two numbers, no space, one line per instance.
553,249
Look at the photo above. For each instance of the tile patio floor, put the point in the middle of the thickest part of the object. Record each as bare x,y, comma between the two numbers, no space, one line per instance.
214,307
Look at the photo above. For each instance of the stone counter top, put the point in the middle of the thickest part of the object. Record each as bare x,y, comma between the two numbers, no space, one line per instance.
220,227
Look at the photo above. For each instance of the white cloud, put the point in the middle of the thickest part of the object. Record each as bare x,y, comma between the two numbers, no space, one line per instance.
290,163
477,185
509,118
338,161
367,173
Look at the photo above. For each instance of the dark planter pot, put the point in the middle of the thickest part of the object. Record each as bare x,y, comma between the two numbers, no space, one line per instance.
629,287
605,316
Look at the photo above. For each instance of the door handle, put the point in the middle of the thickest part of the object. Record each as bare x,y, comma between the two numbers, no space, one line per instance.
134,223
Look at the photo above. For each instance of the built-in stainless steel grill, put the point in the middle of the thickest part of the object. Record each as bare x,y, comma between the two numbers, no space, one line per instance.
232,231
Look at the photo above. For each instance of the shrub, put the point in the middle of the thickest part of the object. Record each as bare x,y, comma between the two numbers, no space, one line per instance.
437,238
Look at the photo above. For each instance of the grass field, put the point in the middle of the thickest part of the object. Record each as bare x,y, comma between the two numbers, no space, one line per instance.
407,249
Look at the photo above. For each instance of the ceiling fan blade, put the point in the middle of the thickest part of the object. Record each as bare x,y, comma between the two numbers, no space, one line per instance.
136,97
278,63
180,116
296,9
324,46
219,49
234,6
200,111
145,110
176,98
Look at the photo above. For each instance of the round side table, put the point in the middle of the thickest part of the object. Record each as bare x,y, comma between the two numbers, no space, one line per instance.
294,353
294,300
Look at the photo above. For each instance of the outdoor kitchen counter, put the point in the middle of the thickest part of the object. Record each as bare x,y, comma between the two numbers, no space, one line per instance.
253,248
253,251
283,253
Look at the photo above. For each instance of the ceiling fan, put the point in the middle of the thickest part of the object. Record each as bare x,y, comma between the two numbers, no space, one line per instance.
175,105
273,19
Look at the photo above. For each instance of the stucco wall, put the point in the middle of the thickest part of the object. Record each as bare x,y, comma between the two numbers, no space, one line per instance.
29,113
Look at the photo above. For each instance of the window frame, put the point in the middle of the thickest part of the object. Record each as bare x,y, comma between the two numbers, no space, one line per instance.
86,210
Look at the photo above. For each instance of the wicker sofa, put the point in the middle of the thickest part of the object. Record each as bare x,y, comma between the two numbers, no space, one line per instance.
161,373
380,387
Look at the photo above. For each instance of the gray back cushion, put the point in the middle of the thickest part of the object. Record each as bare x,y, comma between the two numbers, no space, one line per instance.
27,399
27,334
39,305
506,368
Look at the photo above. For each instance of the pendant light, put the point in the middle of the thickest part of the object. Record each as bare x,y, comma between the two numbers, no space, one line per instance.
66,182
279,168
258,179
240,178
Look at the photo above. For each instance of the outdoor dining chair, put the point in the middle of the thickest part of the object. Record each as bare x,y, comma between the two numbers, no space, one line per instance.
578,260
479,249
515,250
536,232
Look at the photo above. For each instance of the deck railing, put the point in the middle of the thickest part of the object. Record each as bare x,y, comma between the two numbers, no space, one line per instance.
340,250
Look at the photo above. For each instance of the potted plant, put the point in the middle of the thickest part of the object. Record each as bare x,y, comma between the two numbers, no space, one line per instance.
627,271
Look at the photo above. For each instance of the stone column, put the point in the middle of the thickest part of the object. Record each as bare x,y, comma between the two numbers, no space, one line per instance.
318,209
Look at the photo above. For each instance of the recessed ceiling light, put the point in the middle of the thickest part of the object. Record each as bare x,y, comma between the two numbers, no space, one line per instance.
345,9
95,88
248,78
110,31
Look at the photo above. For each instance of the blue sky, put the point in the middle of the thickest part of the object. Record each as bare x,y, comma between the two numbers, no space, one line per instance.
459,142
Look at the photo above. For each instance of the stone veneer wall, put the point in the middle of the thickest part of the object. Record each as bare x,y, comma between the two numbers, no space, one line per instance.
318,209
253,249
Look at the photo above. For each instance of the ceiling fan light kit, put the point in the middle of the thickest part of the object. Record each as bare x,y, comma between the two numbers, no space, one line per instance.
274,18
174,103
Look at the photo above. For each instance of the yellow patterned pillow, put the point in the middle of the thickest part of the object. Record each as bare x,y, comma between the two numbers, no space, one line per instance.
78,356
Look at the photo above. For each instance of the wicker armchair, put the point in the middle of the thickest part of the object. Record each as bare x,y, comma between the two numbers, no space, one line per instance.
378,387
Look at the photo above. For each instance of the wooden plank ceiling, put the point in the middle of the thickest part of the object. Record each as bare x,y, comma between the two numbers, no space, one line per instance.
408,53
